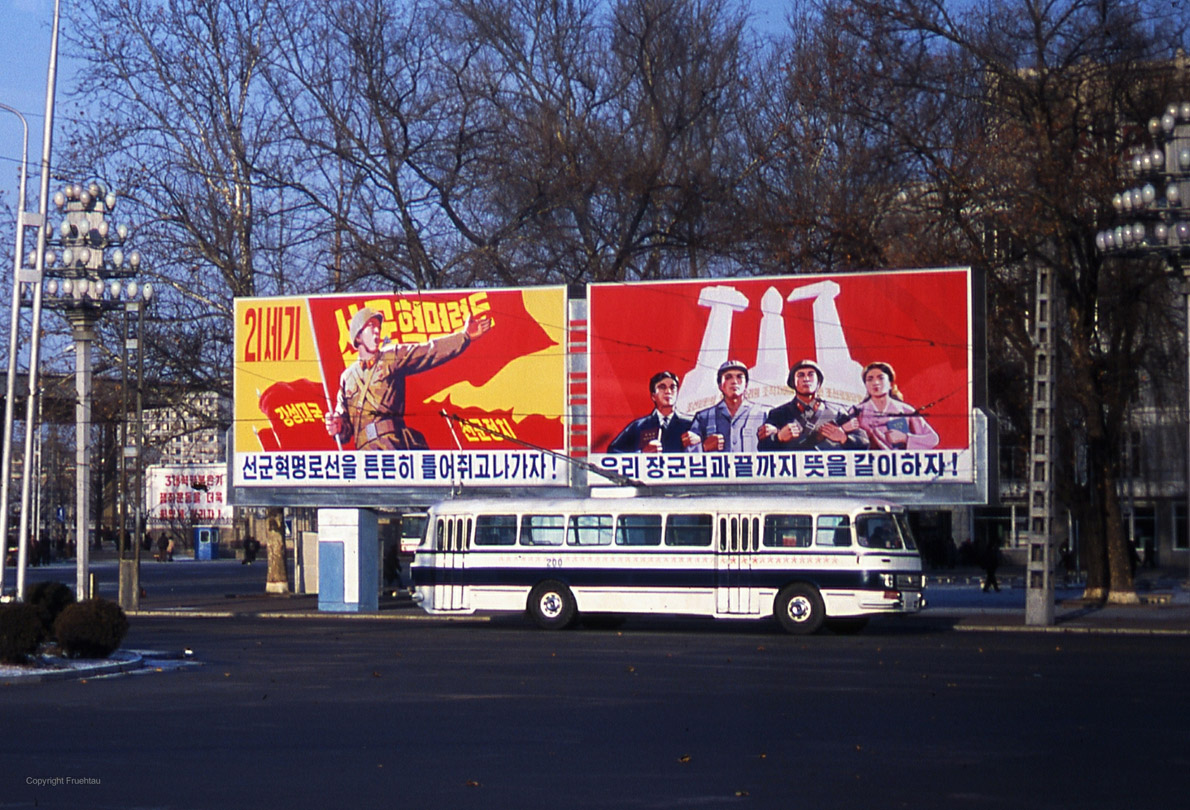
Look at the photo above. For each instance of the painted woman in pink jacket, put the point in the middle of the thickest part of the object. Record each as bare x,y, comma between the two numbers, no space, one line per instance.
891,423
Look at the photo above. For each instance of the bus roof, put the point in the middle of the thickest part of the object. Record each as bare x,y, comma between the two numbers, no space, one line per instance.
688,504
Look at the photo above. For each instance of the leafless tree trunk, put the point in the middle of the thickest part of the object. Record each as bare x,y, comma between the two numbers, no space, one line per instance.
277,575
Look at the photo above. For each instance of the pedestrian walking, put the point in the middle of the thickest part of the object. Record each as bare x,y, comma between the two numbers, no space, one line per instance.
990,561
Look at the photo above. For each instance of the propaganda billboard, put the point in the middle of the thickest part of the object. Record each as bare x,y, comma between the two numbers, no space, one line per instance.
347,390
797,380
185,495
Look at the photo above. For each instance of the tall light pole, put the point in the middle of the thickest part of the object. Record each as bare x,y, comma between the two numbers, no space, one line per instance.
132,447
23,219
1155,216
33,277
85,282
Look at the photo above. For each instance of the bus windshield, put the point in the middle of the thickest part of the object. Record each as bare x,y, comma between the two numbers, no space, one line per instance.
878,531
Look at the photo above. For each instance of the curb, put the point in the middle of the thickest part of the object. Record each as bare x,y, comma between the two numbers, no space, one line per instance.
1072,630
131,661
255,614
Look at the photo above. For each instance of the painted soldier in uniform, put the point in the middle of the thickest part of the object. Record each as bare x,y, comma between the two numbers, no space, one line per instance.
370,406
808,422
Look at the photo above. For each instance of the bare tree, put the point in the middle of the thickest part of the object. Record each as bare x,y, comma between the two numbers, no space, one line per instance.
621,155
518,141
1007,118
366,105
189,135
826,189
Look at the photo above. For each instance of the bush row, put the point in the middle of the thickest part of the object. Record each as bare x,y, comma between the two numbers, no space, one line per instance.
92,628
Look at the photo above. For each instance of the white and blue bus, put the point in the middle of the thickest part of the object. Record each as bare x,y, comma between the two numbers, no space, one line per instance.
806,562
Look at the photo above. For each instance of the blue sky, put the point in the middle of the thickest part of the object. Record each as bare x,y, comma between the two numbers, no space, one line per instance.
25,45
25,49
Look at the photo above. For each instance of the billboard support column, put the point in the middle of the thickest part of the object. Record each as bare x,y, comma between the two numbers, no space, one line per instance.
1039,582
348,560
578,388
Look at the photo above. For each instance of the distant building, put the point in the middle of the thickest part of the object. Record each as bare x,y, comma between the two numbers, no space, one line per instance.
192,430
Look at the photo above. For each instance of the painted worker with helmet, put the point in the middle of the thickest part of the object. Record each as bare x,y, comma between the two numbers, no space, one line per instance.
370,406
731,424
808,422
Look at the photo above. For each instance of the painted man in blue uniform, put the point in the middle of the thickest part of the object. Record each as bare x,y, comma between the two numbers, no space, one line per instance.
662,431
730,425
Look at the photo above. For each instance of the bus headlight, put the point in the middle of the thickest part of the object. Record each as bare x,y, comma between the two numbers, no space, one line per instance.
907,582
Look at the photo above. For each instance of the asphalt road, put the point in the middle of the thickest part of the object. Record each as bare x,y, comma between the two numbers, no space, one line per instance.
357,713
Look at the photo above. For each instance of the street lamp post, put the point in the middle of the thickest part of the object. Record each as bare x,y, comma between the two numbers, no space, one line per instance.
85,282
131,447
1155,216
33,278
23,219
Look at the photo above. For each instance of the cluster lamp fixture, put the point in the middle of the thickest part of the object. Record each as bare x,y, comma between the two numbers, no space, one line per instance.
1154,214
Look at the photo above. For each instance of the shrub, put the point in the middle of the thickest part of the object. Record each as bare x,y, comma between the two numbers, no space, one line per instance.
92,628
50,598
21,631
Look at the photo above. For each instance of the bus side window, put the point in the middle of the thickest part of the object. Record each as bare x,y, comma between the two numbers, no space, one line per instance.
495,530
833,530
440,535
590,530
542,530
688,530
638,530
788,531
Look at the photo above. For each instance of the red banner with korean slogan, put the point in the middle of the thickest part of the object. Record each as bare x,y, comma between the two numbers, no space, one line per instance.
180,496
784,379
351,389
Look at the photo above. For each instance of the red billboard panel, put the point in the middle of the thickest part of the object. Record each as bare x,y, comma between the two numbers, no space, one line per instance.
786,379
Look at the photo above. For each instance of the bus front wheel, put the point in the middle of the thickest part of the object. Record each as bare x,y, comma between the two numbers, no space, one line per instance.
799,609
551,604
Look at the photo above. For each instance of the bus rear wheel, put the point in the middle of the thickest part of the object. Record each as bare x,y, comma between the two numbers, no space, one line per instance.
799,609
551,604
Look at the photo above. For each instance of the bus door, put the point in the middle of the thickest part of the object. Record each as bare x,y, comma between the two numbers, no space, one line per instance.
453,536
738,541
